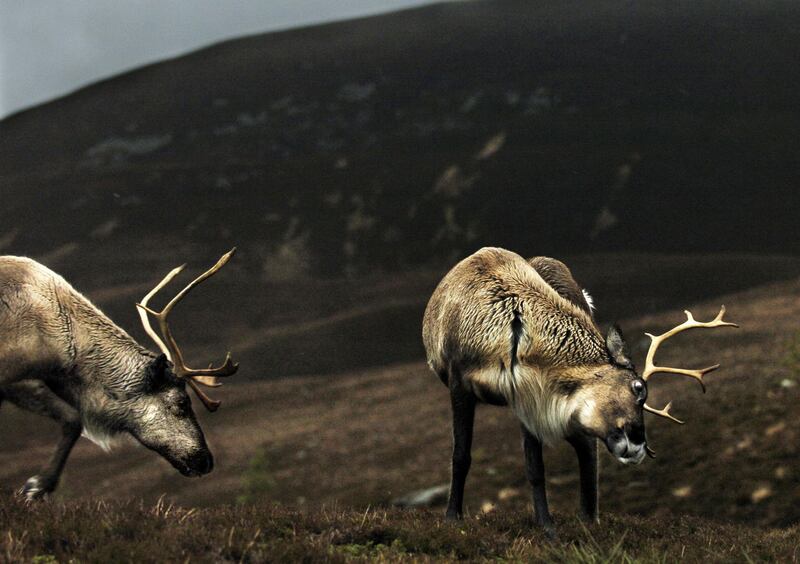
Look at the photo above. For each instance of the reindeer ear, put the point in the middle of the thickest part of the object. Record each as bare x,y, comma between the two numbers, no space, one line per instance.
157,367
616,347
160,363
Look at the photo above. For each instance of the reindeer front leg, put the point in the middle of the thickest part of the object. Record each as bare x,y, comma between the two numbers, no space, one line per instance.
35,396
586,449
534,469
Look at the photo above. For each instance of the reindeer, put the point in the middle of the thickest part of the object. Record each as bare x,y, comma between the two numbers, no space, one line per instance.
61,357
505,331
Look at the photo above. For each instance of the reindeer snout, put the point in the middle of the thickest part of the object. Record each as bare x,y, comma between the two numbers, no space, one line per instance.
633,454
626,448
200,463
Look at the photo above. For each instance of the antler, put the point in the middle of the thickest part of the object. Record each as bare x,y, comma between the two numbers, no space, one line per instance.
651,368
205,376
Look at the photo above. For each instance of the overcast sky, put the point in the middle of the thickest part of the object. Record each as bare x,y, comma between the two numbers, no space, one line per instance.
51,47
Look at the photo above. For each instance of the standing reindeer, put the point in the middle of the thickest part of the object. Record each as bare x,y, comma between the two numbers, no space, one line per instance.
506,331
63,358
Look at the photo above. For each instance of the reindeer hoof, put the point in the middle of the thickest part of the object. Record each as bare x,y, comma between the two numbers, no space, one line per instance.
549,530
588,519
35,488
453,516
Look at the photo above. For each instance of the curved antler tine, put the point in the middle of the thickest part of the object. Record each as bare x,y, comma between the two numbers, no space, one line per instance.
208,377
663,412
702,372
210,404
208,381
166,280
697,374
719,322
223,260
228,368
143,310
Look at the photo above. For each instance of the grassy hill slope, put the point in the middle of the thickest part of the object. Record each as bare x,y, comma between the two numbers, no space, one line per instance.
363,437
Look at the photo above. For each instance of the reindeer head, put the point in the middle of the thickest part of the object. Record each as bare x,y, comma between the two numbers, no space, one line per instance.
157,411
611,403
162,418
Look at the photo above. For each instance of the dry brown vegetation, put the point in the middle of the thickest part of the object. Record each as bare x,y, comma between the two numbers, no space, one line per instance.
134,532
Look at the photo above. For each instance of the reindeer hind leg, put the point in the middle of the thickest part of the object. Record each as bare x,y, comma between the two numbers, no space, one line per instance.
463,407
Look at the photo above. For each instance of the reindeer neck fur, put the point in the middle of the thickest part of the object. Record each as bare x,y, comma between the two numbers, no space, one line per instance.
541,398
107,353
97,348
104,362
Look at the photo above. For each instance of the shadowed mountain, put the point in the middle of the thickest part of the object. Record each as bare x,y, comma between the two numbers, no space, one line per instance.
419,136
352,162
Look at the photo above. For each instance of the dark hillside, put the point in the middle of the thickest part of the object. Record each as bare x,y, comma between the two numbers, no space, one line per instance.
415,137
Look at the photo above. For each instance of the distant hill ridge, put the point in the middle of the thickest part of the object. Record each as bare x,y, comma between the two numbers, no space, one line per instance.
415,137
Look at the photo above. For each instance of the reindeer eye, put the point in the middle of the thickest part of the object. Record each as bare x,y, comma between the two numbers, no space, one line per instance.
639,388
180,407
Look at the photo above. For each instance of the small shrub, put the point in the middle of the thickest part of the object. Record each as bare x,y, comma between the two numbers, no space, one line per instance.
370,550
258,479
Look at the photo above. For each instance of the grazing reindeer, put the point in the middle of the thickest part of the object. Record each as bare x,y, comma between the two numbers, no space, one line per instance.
506,331
62,358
